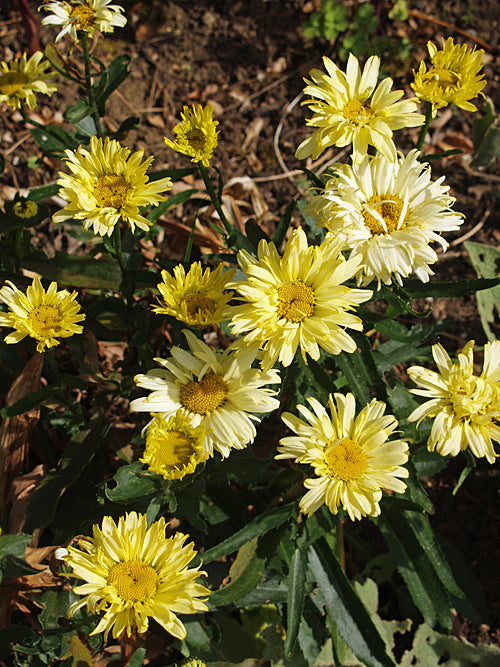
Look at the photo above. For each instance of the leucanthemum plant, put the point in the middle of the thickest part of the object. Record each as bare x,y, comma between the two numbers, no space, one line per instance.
196,136
23,78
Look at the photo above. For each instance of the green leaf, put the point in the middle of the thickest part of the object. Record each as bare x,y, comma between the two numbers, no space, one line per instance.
419,290
117,72
354,371
471,464
28,402
272,589
295,598
486,262
137,658
259,526
284,224
54,140
12,552
486,137
43,192
346,609
130,123
131,483
74,113
255,233
246,572
74,271
173,200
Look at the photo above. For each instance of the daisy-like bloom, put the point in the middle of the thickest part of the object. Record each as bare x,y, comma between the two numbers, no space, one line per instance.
108,184
387,214
196,136
83,15
21,78
297,300
465,407
193,662
198,298
352,457
133,572
351,108
42,315
217,390
453,77
174,447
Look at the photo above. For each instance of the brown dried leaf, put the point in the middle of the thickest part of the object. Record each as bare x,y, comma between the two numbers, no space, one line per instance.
21,492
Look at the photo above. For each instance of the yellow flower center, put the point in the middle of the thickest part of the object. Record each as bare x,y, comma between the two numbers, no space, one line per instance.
82,17
44,319
357,112
384,215
346,460
295,301
199,306
25,209
171,448
11,82
471,396
134,581
444,77
111,190
204,396
196,139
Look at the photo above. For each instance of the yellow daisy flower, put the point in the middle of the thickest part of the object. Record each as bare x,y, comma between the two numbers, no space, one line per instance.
351,108
42,315
196,136
86,15
108,184
174,447
193,662
387,214
465,407
454,76
133,572
297,300
352,457
217,390
198,298
21,78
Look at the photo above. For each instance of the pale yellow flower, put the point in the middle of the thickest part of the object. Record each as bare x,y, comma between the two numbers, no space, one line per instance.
108,184
174,447
132,573
21,79
465,407
83,15
42,315
198,298
296,301
196,136
387,214
352,457
453,78
351,108
217,390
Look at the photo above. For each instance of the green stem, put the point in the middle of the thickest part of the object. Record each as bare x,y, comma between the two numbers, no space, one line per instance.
117,245
425,126
88,81
214,198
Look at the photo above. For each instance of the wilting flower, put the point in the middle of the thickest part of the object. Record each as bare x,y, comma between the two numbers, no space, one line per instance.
387,214
198,298
21,78
218,390
297,300
133,572
108,184
352,457
465,407
83,15
196,136
454,76
174,447
351,108
42,315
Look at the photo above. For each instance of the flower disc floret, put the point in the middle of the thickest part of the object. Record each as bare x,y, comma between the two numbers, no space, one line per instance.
387,214
42,315
108,184
21,79
351,108
297,300
198,298
216,390
453,78
196,136
133,573
83,15
465,407
353,457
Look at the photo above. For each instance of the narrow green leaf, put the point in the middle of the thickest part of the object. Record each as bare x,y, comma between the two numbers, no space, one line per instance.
255,233
117,72
28,402
354,371
130,483
173,200
246,572
74,271
284,224
137,658
43,192
74,113
418,289
471,464
346,609
295,599
174,174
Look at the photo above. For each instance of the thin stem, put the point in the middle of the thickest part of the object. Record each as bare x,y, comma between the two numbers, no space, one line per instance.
425,127
214,198
117,245
88,81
